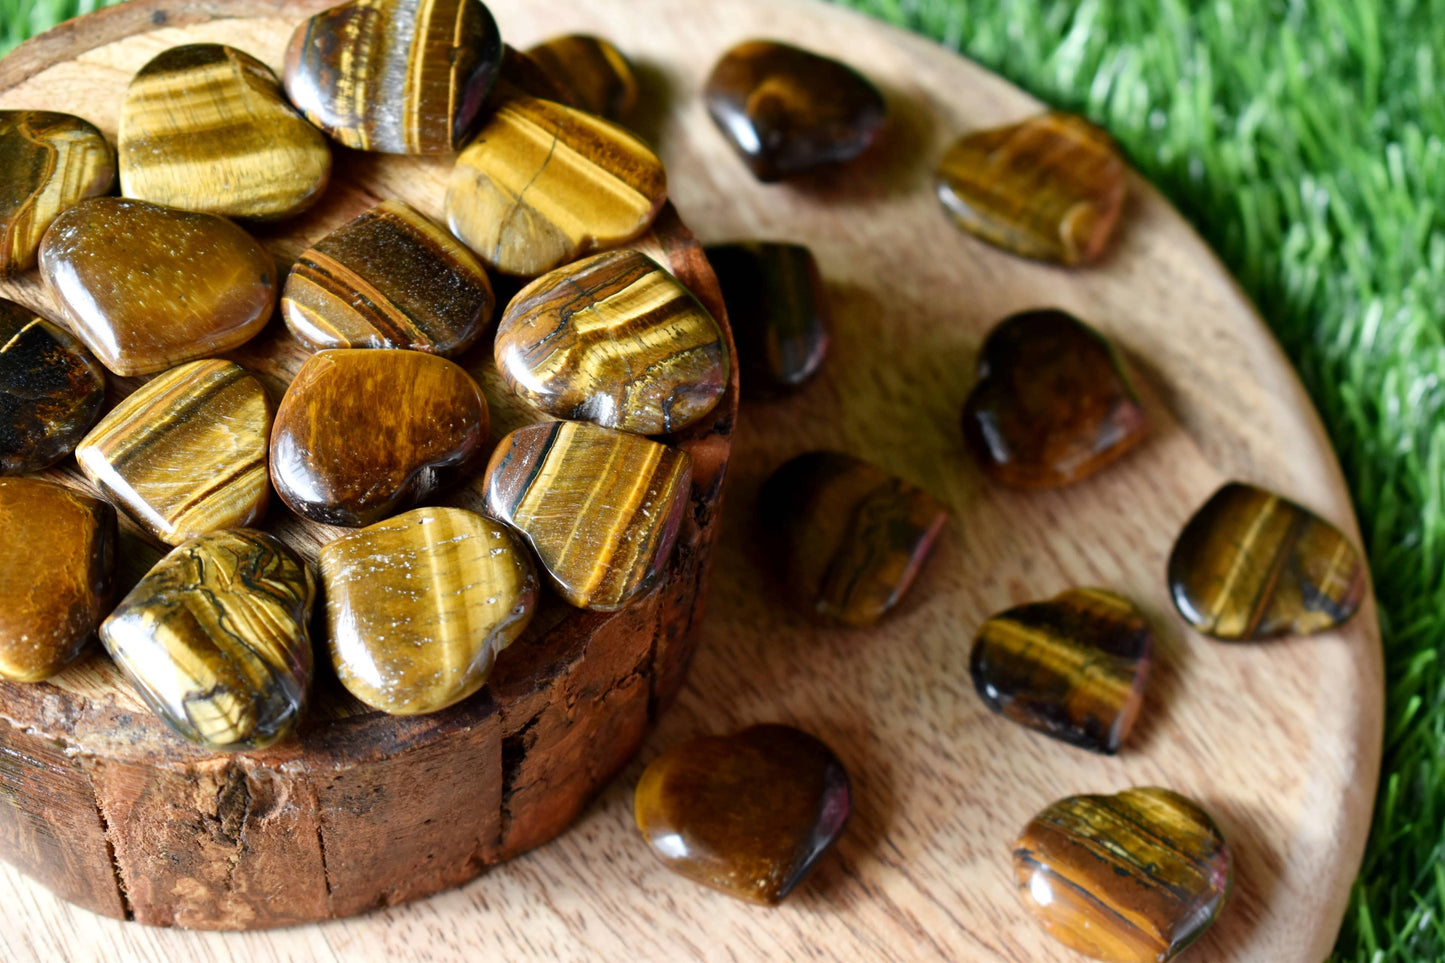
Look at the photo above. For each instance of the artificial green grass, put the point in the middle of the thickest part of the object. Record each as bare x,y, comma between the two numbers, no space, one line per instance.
1304,140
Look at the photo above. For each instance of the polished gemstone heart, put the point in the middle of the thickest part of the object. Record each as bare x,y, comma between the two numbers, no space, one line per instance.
749,814
1049,188
186,453
545,184
600,508
363,434
850,537
388,279
399,76
206,127
147,287
1252,565
214,639
57,575
1053,404
51,390
779,311
418,606
1072,667
48,162
1132,878
788,111
614,340
591,73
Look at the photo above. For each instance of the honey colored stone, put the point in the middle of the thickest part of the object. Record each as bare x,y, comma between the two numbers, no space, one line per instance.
51,390
185,454
545,184
48,162
149,287
214,639
1132,878
788,111
418,606
362,434
600,508
1072,667
57,575
1053,404
1253,565
388,279
850,538
397,76
748,814
1050,188
614,340
591,73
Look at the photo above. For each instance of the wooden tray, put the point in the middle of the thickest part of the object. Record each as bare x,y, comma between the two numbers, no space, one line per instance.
1281,741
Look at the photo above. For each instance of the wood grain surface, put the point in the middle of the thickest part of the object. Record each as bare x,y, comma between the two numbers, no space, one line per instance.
1280,741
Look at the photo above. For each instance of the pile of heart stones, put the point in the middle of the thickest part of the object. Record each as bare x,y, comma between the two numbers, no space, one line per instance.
419,600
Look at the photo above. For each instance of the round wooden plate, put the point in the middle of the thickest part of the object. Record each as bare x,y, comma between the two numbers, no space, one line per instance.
1281,741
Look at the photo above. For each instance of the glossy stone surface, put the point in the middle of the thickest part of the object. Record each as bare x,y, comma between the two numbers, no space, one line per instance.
362,434
214,639
388,279
614,340
545,184
1132,878
591,73
788,111
1253,565
418,606
779,311
397,76
48,162
1050,188
186,453
1072,667
748,814
57,575
849,537
1053,404
600,508
149,287
51,390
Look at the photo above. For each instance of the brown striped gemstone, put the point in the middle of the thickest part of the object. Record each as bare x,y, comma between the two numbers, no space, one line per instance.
1132,878
614,340
186,453
1072,667
48,162
1252,565
51,390
601,508
591,73
388,279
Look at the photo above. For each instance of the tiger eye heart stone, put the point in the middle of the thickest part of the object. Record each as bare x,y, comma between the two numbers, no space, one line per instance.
748,814
388,279
51,391
614,340
1053,404
1252,565
779,312
57,575
48,162
362,434
590,72
418,606
788,111
545,184
148,287
1072,667
600,508
850,536
214,639
1050,188
186,453
1132,878
397,76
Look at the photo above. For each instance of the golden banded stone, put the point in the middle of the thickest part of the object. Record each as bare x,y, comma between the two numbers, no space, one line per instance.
48,162
591,73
